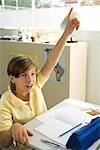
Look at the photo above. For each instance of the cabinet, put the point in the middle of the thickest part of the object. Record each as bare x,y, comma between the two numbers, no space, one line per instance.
68,80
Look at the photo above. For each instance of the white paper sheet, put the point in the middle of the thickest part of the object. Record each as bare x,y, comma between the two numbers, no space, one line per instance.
53,128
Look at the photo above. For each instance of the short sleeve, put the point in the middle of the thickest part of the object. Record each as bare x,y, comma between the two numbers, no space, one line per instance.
41,79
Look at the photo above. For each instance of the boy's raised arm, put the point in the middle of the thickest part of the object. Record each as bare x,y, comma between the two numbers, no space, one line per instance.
54,55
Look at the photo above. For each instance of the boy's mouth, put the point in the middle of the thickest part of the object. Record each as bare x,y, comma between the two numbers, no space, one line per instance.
29,86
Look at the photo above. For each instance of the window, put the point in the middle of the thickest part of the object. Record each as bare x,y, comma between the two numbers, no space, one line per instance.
16,4
65,3
89,2
25,3
10,2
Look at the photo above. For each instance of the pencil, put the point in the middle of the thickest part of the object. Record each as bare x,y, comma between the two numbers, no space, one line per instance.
49,142
70,130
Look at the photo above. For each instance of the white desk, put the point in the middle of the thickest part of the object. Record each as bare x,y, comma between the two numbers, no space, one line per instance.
35,141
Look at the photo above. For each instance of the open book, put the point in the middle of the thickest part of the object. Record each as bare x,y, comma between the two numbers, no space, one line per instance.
66,119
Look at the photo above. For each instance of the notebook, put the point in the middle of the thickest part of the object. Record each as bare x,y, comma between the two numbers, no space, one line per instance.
62,122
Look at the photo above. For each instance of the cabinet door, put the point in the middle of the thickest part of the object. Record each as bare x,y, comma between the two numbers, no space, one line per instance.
57,87
78,62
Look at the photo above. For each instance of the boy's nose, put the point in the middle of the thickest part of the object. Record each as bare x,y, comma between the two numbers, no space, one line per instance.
29,78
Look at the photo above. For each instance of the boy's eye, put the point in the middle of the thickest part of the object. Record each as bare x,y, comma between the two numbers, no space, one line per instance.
23,74
33,73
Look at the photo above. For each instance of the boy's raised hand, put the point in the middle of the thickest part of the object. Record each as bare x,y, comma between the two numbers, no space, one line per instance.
72,22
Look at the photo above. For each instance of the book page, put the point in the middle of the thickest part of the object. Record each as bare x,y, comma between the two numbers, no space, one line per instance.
53,113
69,114
53,128
73,116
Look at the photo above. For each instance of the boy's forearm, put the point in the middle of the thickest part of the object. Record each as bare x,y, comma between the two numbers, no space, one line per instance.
6,138
58,49
55,54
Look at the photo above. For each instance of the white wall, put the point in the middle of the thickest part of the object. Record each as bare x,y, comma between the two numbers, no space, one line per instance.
52,18
93,64
17,19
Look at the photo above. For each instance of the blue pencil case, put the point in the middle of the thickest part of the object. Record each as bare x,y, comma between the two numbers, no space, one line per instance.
85,136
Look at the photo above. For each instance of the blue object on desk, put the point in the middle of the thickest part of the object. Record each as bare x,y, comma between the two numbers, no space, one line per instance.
85,136
70,129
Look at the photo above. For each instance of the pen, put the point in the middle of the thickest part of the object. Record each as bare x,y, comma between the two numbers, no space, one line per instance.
70,130
49,142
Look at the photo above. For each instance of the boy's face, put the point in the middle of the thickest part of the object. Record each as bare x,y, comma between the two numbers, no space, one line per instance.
25,82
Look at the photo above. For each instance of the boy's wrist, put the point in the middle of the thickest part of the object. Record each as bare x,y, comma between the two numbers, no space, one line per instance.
66,34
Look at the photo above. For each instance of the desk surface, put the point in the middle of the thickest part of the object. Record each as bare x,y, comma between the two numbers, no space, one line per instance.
35,141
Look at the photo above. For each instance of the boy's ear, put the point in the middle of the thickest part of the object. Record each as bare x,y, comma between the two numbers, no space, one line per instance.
11,78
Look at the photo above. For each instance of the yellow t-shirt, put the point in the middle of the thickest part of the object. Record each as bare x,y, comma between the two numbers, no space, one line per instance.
13,109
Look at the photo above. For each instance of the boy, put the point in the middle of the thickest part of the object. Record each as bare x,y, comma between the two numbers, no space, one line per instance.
24,100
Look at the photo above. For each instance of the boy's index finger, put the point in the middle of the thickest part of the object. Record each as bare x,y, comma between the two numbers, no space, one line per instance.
70,11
